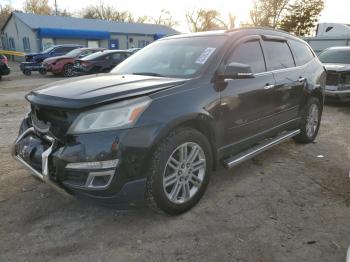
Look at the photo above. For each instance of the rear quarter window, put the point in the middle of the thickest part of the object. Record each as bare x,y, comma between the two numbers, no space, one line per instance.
302,53
278,55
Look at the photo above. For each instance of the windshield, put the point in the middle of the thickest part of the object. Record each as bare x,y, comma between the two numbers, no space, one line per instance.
178,57
94,55
74,52
335,56
49,49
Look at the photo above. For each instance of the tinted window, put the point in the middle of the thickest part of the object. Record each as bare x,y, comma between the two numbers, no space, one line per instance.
337,56
249,53
302,53
278,55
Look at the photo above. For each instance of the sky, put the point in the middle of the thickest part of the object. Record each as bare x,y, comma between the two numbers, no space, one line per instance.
335,10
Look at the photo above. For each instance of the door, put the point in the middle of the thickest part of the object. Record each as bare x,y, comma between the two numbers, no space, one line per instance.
116,58
289,81
247,104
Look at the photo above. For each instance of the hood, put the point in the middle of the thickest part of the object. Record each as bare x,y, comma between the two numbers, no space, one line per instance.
88,91
55,58
337,67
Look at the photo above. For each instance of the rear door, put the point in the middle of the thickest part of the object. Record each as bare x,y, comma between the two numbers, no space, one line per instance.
247,104
288,89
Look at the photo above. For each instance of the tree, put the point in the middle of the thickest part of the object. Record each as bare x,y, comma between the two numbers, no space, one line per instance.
302,16
108,12
268,12
40,7
206,20
165,18
5,12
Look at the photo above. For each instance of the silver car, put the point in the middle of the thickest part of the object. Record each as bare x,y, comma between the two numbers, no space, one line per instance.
337,62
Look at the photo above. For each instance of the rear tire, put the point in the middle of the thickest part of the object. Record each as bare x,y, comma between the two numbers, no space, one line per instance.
179,172
310,122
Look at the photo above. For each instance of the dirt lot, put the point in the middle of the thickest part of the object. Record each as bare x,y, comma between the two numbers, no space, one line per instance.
288,204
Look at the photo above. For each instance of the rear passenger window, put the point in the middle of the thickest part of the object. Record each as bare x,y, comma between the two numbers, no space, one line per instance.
301,52
249,53
278,55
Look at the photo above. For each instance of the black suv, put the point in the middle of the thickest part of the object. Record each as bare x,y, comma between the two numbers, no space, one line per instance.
156,126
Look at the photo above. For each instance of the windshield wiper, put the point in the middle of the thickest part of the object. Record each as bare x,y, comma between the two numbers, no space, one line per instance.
148,74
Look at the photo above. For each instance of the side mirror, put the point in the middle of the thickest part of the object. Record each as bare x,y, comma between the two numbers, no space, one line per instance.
237,71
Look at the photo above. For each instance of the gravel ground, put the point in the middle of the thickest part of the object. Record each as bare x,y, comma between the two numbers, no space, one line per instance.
291,203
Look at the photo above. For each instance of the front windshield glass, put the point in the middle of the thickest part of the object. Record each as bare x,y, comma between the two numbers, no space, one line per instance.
49,49
335,56
178,57
74,52
94,55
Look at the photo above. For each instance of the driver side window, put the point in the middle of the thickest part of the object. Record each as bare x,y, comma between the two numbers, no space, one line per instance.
249,53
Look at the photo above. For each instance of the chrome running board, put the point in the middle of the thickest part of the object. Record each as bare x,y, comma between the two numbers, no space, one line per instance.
251,152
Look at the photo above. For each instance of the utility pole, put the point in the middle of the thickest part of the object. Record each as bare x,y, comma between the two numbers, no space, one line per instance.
56,12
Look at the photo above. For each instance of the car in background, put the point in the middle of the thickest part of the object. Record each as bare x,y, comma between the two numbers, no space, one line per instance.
337,63
100,62
56,50
3,59
4,69
134,50
63,65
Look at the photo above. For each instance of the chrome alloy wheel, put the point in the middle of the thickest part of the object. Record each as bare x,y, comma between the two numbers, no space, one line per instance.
312,120
184,172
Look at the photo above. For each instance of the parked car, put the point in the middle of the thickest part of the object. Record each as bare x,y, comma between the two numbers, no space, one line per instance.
57,50
63,65
3,59
4,69
156,126
134,50
100,62
337,62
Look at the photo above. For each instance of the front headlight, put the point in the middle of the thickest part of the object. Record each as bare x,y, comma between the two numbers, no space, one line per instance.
119,115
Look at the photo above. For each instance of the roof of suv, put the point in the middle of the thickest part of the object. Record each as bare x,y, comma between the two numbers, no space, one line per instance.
251,30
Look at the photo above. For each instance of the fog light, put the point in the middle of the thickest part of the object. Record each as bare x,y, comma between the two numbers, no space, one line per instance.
99,180
94,165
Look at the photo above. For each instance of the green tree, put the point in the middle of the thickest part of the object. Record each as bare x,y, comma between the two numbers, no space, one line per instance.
302,16
40,7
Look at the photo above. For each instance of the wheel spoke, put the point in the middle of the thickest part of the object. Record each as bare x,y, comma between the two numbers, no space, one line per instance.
175,192
186,190
173,163
193,155
170,180
195,180
183,152
198,165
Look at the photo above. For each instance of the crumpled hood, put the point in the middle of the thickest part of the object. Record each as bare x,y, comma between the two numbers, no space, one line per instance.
337,67
88,91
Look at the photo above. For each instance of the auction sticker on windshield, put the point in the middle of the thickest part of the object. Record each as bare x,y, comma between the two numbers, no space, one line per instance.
205,55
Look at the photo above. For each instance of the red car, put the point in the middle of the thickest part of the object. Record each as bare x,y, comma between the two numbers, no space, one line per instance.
3,59
63,65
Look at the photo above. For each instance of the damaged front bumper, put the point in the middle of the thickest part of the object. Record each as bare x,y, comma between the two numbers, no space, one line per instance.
44,174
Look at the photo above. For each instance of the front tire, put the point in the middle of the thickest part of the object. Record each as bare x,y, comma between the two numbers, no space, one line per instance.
179,171
68,70
310,122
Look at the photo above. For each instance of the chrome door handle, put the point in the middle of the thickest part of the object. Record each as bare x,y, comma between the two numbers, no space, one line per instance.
302,79
267,87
